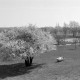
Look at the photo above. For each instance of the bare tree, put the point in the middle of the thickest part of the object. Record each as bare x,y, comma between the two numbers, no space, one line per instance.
74,27
57,34
74,30
65,30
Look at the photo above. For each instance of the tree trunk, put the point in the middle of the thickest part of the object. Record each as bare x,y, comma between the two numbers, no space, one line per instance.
28,61
75,44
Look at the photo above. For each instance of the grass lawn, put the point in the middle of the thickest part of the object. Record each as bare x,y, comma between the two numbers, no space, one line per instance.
45,67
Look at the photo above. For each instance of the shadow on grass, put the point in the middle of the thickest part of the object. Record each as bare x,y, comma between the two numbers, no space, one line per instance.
16,69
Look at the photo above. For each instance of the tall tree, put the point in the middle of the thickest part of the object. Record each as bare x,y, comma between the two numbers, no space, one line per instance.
74,30
57,34
74,27
65,30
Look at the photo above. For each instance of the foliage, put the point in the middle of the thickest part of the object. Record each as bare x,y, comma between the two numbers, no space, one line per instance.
13,47
43,40
24,42
3,37
11,34
37,38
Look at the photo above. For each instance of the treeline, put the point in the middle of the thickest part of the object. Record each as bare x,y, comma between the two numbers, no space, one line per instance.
71,30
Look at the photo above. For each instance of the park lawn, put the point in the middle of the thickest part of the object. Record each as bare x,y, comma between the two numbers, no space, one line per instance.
45,67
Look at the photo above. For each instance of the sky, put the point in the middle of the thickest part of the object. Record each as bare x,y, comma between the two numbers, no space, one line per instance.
38,12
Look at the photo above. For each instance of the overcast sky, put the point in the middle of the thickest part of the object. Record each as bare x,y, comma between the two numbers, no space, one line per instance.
38,12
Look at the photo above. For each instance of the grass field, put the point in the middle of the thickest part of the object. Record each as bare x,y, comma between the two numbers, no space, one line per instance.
45,67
